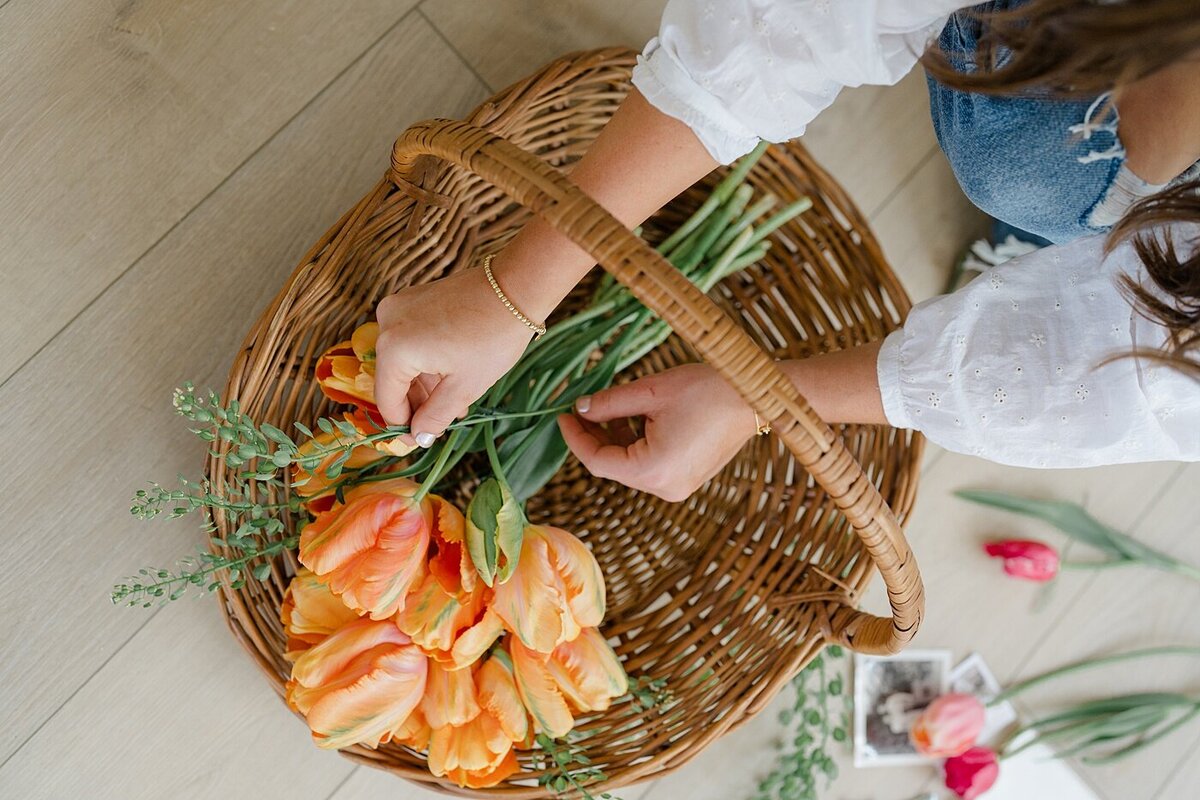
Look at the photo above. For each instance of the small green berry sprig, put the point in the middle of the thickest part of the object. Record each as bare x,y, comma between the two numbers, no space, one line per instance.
567,769
807,765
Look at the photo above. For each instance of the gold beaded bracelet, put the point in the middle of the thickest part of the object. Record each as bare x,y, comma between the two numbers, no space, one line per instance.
539,329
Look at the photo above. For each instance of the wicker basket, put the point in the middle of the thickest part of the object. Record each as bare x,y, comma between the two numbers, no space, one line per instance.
726,595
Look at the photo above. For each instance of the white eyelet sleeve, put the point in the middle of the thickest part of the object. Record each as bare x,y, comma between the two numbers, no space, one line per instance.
737,71
1008,367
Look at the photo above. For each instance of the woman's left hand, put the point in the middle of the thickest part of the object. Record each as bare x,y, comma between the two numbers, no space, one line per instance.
692,424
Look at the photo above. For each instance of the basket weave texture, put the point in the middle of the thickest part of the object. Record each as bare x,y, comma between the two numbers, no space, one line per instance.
726,595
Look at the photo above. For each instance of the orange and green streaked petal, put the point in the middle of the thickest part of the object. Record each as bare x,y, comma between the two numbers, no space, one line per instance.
482,779
322,663
315,610
363,340
539,693
498,696
472,643
449,697
531,602
434,618
367,711
588,672
351,529
581,576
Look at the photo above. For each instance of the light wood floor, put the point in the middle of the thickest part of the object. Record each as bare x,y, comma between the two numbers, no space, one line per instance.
163,165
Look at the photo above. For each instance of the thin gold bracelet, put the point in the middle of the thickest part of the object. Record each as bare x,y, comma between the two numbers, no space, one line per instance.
539,329
763,427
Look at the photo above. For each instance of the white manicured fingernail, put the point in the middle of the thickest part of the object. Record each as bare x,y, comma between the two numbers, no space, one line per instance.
425,439
583,404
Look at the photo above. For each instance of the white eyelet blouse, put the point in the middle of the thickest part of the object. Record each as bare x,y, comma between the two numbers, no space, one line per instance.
1007,368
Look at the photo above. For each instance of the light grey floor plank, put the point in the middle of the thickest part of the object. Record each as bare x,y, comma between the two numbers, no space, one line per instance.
926,225
179,712
90,418
119,117
1184,783
873,139
373,784
521,35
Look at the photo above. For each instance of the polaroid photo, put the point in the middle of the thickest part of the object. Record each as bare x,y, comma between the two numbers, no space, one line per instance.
889,693
972,676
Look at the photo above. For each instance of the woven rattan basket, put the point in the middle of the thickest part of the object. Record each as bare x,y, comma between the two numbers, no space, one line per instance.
726,595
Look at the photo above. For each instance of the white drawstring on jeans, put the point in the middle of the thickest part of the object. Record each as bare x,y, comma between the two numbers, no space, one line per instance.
1088,127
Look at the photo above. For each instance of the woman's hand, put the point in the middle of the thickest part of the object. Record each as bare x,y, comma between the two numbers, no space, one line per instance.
694,423
441,346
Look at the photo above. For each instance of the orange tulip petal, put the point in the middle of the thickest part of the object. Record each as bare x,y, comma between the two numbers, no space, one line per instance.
474,641
500,699
369,709
482,779
588,672
449,697
434,618
320,664
581,575
335,538
413,731
539,692
531,601
362,341
370,551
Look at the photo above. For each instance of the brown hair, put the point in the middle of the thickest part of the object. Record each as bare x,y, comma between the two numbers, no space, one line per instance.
1088,47
1174,275
1074,47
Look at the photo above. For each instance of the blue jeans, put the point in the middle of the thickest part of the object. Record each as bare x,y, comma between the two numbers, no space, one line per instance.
1051,166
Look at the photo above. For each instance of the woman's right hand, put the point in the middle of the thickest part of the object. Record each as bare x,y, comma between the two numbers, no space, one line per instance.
441,346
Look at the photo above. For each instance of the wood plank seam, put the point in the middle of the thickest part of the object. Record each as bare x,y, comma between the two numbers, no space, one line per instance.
445,40
210,193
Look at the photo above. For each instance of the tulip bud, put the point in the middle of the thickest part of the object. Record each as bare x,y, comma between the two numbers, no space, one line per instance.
1029,560
495,528
972,773
948,726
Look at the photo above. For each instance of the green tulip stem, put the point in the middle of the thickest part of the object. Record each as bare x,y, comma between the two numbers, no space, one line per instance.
439,466
1037,680
489,441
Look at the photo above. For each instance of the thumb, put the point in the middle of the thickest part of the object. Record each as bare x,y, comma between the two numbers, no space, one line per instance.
448,401
635,399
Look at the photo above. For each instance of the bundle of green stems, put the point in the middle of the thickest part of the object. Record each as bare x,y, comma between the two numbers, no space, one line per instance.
583,353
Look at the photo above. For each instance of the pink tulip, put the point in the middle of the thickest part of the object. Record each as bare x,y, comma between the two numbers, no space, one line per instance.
1032,561
948,726
972,773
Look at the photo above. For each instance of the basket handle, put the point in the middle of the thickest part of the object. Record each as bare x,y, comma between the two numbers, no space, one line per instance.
548,193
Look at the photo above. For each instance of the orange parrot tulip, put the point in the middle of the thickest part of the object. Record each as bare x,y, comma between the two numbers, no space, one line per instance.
434,618
310,613
579,676
555,591
448,613
372,549
360,685
476,716
309,484
346,371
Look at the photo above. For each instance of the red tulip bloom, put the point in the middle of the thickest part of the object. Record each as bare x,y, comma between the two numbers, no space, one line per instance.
1032,561
972,773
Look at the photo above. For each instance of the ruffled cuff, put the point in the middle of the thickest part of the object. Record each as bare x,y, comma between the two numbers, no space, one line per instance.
667,86
887,370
